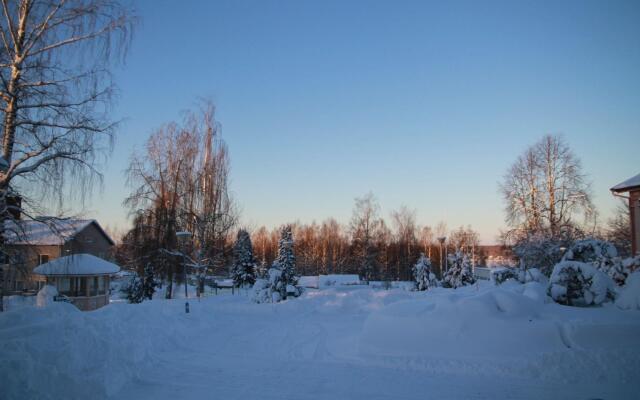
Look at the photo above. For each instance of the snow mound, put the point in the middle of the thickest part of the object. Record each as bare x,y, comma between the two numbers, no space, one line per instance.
59,352
488,324
629,295
46,296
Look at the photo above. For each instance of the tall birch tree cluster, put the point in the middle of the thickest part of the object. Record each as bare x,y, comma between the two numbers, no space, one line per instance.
180,183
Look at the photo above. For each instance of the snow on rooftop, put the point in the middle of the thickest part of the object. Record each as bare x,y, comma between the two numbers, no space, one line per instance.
44,232
77,264
628,184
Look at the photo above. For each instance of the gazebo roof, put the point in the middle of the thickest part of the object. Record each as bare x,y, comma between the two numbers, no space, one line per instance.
77,265
629,184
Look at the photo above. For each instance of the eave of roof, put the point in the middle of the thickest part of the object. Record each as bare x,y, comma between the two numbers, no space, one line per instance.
628,185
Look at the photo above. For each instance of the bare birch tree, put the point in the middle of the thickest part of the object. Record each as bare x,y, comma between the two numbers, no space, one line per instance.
545,190
364,224
404,220
180,182
55,90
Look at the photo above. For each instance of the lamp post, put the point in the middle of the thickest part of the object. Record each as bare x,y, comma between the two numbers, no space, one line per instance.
182,239
443,267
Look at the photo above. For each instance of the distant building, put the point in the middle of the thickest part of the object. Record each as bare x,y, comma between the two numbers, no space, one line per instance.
631,186
35,242
494,255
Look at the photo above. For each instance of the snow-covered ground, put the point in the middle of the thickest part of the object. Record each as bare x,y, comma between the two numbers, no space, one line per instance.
345,342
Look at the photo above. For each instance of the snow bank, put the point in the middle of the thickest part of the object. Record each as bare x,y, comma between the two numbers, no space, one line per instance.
16,302
59,352
509,330
310,282
629,295
497,323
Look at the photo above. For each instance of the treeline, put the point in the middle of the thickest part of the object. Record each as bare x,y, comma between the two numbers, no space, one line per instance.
369,246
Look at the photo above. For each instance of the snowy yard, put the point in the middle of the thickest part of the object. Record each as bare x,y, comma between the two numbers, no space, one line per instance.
480,342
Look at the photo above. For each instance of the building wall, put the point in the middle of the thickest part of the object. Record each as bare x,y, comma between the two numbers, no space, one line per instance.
19,277
634,207
91,241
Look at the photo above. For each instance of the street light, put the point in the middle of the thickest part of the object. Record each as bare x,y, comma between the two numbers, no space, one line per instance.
182,239
443,267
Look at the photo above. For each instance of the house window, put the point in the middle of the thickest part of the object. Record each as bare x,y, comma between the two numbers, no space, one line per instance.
64,286
43,258
101,285
93,286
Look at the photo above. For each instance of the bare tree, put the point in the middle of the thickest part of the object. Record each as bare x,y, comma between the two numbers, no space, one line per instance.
55,89
426,240
181,183
364,224
546,189
618,229
404,221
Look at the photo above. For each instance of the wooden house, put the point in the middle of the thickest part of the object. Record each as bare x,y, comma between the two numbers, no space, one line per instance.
35,242
632,187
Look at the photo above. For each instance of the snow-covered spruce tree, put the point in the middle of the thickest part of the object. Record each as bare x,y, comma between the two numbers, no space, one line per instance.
281,280
135,290
261,270
422,275
286,262
149,283
602,255
459,272
576,283
243,270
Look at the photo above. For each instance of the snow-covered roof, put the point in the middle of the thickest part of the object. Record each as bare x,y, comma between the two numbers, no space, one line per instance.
47,232
77,264
631,183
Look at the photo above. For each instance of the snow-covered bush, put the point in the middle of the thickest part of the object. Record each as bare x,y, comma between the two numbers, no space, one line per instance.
631,264
261,292
539,251
459,271
576,283
243,270
629,295
422,275
501,275
602,255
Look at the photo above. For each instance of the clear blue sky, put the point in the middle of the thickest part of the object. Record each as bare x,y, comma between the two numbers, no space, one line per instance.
425,104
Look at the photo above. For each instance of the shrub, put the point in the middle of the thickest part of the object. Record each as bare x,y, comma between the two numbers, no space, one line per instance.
576,283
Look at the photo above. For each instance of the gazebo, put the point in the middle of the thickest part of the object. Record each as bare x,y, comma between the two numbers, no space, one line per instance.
83,278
